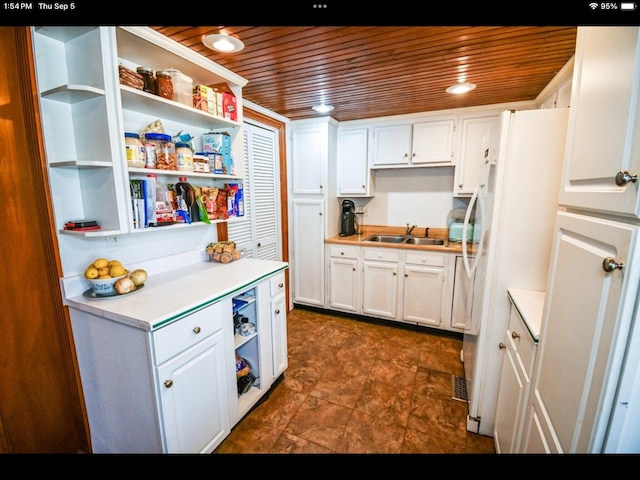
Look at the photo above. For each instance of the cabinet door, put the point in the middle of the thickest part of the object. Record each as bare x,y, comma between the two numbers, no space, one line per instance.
603,122
422,295
279,334
432,143
391,145
353,163
478,143
380,289
512,394
309,156
308,252
193,398
343,284
585,306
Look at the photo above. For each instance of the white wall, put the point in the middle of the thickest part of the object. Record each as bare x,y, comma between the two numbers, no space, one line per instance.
418,196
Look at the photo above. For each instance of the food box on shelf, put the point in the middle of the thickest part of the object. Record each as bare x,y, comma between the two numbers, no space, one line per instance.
204,98
219,143
227,106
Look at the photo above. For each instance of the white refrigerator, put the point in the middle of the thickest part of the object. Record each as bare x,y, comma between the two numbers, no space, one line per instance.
514,209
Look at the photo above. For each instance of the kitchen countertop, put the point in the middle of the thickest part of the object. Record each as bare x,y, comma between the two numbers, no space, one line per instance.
530,305
367,231
170,295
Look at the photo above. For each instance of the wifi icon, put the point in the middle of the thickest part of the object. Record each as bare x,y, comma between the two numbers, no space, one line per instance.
593,5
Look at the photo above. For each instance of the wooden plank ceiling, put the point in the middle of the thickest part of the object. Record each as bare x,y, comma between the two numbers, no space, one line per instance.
367,72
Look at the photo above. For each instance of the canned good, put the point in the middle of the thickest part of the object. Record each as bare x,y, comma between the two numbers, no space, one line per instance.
164,85
184,157
160,151
135,150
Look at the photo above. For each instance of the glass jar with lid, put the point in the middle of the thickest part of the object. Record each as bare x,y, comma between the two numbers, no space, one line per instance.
149,79
164,85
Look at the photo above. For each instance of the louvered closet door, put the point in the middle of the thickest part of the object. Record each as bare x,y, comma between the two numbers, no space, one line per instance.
258,233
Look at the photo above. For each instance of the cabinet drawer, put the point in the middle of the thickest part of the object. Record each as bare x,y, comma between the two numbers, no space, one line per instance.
276,284
382,254
184,333
344,252
524,343
419,258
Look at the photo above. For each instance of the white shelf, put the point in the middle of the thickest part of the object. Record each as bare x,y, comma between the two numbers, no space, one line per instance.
182,173
80,164
90,233
151,104
239,340
72,93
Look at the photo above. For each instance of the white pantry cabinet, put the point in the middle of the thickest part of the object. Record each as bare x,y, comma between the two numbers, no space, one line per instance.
355,178
602,175
86,111
314,209
592,288
419,144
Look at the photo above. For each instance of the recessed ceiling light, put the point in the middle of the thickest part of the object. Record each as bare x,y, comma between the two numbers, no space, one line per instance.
322,108
461,88
222,42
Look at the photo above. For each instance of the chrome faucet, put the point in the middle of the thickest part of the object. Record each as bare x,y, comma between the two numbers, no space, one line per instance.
410,229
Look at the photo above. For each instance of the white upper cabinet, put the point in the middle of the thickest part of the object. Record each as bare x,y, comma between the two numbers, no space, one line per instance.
309,151
420,144
602,175
354,175
478,143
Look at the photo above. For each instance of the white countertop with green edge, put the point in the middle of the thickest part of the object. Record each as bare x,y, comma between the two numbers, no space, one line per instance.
172,294
530,305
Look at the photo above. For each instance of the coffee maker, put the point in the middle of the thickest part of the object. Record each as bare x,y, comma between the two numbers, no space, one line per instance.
348,219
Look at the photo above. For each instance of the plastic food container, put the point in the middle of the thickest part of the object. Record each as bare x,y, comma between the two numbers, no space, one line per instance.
160,151
184,157
182,86
134,149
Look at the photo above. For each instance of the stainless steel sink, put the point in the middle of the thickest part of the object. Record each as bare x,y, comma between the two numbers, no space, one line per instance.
424,241
404,239
386,238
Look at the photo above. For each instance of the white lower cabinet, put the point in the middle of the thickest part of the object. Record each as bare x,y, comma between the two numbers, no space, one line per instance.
278,325
193,397
344,278
423,297
175,389
515,382
395,284
380,282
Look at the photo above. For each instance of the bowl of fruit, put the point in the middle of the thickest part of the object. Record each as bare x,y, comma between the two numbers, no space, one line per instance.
108,278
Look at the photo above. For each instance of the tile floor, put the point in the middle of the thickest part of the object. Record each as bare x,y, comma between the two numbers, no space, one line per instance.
353,386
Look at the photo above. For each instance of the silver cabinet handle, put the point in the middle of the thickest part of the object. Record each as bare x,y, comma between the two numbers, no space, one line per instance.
515,335
196,330
501,346
609,265
168,383
623,177
280,285
277,311
354,269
